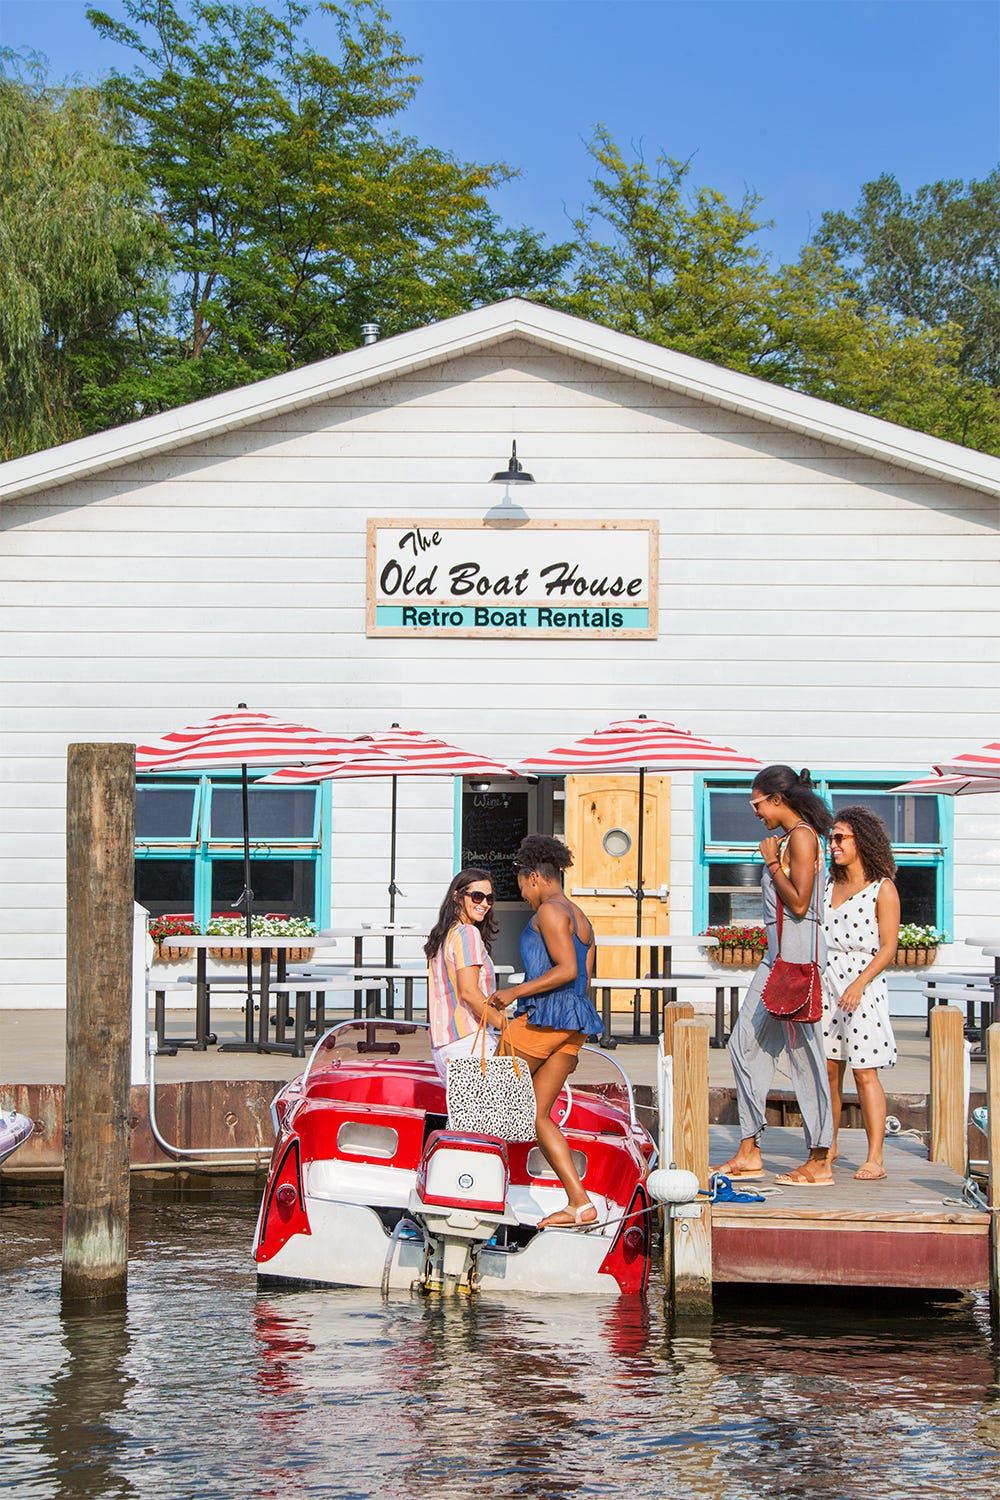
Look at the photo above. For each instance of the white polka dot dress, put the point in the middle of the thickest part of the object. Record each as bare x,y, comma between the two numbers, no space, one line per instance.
862,1037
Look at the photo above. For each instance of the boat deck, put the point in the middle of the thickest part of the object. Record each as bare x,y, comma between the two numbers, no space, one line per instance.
909,1230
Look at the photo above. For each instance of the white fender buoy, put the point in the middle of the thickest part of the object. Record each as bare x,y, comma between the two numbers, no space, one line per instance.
672,1185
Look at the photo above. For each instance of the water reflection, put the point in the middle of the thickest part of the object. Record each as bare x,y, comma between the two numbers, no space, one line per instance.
206,1389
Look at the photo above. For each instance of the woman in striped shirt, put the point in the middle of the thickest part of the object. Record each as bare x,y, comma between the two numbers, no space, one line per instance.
460,975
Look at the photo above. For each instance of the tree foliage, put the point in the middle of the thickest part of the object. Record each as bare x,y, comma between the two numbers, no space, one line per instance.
81,257
685,270
933,256
295,213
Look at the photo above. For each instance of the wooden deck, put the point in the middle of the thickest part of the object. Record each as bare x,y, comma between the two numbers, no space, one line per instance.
905,1231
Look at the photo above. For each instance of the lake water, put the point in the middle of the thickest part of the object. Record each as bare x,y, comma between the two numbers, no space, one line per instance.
203,1388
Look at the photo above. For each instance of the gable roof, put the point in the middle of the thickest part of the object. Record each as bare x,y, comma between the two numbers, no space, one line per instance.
406,352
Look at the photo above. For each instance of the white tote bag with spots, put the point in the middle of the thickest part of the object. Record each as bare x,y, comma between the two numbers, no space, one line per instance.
491,1095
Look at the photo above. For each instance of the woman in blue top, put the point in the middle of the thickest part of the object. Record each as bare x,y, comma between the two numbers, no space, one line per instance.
554,1014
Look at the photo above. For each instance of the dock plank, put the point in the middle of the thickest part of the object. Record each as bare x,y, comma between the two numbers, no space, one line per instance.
909,1230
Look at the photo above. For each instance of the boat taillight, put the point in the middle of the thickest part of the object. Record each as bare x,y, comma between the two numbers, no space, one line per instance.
286,1196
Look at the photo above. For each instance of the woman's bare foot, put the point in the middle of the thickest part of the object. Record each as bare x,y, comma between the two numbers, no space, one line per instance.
569,1217
739,1167
870,1171
814,1173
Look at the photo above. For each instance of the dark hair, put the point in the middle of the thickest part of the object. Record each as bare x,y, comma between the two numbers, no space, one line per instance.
871,839
448,915
796,789
546,855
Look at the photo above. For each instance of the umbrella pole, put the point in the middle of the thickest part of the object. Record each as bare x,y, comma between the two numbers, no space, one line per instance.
246,900
639,892
392,856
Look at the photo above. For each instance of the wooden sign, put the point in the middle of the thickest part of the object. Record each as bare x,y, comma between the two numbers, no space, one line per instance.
574,579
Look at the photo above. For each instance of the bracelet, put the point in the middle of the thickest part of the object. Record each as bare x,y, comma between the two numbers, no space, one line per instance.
774,865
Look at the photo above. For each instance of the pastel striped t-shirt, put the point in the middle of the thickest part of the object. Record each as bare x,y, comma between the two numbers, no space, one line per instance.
450,1017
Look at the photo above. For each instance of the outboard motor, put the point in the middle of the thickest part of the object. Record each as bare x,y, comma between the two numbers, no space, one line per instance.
460,1199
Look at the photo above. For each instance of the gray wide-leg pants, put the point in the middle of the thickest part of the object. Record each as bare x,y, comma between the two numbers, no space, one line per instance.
758,1040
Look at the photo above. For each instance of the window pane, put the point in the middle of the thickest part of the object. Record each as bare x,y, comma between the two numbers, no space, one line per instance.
910,820
732,820
275,812
164,812
734,893
165,885
287,886
917,886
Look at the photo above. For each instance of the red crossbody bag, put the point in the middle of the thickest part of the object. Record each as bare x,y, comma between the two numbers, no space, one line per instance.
795,991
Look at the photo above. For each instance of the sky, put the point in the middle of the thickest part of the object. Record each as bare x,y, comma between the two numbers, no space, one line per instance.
797,101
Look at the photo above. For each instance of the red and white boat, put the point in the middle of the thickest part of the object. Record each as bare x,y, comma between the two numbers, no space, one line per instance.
369,1188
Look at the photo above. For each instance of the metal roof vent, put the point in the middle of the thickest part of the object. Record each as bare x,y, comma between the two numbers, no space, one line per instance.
369,333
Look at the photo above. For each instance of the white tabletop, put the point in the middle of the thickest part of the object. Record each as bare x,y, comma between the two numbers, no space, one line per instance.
373,929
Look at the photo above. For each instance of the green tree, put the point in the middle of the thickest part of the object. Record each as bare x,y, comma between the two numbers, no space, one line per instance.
294,213
933,256
81,257
685,270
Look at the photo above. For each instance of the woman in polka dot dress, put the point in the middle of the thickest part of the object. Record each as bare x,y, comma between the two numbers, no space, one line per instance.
861,927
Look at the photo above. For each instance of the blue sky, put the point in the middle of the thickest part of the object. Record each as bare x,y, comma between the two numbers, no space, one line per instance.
800,101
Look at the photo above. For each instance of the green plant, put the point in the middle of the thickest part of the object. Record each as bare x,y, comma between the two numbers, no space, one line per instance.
168,927
736,936
912,935
261,927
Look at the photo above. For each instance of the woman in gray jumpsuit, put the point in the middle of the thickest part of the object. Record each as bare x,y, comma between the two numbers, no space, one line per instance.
797,822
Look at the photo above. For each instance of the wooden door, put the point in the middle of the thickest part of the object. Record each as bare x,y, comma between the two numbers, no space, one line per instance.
599,811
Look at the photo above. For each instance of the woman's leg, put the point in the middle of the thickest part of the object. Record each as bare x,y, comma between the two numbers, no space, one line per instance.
871,1097
807,1062
754,1048
548,1075
835,1074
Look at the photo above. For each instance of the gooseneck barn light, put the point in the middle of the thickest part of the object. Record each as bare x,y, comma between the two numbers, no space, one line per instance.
514,472
508,512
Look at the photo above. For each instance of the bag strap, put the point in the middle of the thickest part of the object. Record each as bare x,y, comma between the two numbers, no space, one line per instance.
505,1043
781,904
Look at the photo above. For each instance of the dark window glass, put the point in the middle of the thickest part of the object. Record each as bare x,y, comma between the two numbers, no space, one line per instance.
732,819
917,886
734,893
164,812
910,820
165,885
287,886
275,812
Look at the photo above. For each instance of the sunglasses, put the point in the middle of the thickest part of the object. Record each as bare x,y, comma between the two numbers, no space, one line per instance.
838,838
481,898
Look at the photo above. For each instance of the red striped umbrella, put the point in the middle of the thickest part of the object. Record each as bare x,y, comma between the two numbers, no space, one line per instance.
397,752
951,786
641,744
240,738
984,762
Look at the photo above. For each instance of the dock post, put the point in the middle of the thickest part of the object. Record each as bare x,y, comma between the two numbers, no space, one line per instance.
674,1011
100,838
993,1136
949,1126
691,1257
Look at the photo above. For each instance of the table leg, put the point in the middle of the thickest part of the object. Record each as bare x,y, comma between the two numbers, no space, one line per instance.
263,1030
201,1001
607,1040
719,1039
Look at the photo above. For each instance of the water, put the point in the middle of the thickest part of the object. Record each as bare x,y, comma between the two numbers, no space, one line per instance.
203,1388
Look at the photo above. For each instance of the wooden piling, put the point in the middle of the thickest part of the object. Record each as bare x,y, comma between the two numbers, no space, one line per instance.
947,1100
691,1259
993,1137
100,834
674,1011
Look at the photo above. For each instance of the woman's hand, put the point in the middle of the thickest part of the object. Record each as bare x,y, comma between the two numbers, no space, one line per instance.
852,996
503,998
769,849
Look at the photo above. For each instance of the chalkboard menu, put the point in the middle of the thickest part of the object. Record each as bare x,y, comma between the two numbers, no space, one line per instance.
493,825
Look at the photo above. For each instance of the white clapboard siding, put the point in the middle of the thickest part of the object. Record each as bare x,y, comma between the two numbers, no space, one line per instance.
818,605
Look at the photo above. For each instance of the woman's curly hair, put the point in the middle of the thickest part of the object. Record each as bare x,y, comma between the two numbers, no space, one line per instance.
539,852
871,839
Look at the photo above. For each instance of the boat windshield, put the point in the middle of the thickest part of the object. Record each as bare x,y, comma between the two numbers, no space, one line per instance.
371,1041
407,1042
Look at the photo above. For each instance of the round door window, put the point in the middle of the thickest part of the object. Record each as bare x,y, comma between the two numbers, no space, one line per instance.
617,842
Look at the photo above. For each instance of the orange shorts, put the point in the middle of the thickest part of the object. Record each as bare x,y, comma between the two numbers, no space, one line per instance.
542,1041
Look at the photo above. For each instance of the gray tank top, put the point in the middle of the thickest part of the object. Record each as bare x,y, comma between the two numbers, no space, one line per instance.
798,934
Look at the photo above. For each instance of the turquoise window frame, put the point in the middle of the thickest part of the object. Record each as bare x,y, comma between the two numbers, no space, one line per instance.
204,851
942,860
